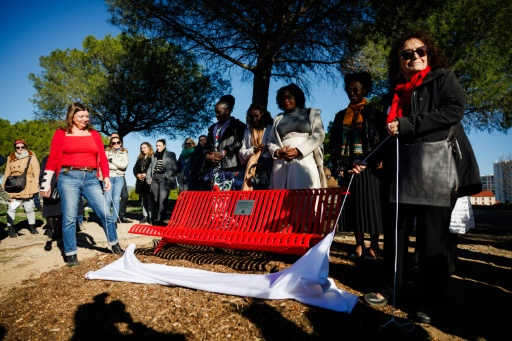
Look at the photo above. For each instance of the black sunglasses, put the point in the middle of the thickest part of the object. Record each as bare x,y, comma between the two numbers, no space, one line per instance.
408,54
116,142
21,147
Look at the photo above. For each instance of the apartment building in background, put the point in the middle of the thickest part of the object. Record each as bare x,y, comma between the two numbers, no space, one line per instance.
503,181
487,182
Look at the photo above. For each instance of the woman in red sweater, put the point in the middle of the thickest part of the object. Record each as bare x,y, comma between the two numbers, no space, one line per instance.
78,159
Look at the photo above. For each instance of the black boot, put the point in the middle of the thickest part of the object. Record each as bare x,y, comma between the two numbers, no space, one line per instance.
48,245
50,227
32,229
73,260
117,249
12,232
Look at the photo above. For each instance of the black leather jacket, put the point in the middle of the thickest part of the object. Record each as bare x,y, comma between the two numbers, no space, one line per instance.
437,105
231,142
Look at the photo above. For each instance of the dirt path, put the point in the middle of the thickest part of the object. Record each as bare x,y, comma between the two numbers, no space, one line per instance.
24,257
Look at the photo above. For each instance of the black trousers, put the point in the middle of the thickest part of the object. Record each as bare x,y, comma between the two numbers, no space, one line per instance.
123,204
160,188
433,242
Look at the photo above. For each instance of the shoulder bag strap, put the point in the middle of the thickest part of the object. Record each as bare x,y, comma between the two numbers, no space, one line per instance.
28,164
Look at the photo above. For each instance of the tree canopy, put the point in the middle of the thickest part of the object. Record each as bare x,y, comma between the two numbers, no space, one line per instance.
313,40
130,84
265,38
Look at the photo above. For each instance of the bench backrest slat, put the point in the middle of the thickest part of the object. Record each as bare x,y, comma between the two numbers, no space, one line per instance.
311,211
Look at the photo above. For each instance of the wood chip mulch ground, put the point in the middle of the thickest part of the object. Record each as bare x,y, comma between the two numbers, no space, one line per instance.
63,305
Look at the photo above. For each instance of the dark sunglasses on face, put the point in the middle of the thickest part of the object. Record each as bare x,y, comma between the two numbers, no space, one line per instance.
188,144
21,147
116,142
409,54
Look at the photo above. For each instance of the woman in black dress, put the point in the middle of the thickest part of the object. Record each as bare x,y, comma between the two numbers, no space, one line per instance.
356,131
141,186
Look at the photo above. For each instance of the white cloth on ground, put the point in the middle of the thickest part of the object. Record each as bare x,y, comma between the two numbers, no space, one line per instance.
305,281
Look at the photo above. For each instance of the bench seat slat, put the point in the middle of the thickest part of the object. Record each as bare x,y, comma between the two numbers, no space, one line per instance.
283,221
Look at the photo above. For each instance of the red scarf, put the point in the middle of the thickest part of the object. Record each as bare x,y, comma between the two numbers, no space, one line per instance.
401,105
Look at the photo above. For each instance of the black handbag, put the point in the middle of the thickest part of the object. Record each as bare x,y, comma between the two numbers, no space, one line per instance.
427,173
17,183
54,197
260,180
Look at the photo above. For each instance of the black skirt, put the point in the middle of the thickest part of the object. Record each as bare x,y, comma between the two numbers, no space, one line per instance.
362,212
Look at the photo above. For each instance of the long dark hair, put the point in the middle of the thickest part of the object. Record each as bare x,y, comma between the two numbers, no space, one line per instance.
436,58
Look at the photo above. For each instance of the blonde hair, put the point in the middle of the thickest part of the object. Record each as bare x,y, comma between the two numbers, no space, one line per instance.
191,141
150,153
109,148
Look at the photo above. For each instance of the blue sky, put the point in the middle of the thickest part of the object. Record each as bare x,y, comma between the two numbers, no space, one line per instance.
34,28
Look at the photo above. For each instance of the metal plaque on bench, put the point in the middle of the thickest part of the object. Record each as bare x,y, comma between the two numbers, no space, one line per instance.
244,207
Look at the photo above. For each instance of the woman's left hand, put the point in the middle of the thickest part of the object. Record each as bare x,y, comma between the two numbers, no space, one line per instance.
359,166
392,128
106,184
45,194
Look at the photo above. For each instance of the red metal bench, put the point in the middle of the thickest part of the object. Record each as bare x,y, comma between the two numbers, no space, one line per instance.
280,221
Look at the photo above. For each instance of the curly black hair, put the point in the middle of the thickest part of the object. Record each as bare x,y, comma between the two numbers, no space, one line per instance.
363,77
298,94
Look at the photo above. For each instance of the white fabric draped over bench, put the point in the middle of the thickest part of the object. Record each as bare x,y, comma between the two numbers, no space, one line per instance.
305,281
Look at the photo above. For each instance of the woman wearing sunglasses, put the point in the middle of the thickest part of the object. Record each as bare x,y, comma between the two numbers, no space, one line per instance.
117,157
428,105
16,164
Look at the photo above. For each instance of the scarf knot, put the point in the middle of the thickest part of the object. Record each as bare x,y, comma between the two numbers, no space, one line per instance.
401,104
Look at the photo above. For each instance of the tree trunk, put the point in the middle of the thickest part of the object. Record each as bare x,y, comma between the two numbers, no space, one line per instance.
261,86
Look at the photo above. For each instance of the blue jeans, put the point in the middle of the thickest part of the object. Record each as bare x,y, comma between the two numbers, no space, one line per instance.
114,195
71,185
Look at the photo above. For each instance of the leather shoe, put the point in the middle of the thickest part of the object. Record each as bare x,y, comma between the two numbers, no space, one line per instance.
372,299
125,221
73,261
423,317
117,249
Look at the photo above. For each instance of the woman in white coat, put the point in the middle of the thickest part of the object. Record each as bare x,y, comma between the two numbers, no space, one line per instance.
295,143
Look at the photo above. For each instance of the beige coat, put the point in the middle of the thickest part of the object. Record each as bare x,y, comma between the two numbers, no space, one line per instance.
17,166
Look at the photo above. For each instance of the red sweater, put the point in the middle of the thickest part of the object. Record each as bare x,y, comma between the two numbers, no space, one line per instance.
54,162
